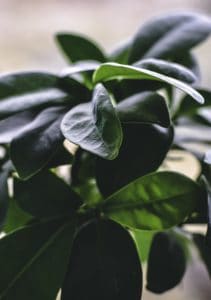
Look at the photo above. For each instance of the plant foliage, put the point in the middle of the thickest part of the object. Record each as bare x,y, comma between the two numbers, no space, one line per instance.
111,119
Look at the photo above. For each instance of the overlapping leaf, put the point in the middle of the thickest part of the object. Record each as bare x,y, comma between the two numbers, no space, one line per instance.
94,127
109,71
104,265
45,195
154,202
34,260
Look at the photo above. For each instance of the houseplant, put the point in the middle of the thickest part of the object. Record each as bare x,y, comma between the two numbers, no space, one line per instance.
85,233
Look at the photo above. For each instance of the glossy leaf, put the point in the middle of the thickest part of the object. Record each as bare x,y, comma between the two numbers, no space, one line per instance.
12,105
143,149
21,120
166,264
80,67
143,240
154,202
168,35
34,260
189,60
146,107
94,128
23,83
4,192
109,71
45,195
104,265
33,148
167,68
78,47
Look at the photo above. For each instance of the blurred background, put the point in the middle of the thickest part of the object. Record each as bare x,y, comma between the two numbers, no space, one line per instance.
27,31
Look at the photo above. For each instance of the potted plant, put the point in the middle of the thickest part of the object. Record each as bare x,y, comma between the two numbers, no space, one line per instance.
111,120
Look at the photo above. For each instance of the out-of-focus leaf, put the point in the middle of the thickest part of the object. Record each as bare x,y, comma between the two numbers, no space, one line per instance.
168,35
166,264
78,47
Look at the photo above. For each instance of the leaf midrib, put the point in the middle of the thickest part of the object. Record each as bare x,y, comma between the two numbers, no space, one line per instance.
32,260
136,204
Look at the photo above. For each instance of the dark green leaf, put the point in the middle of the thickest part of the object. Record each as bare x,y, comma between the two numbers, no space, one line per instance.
76,47
104,265
45,195
167,68
166,264
204,250
146,107
168,35
94,128
143,149
4,192
41,99
24,83
33,148
154,202
189,61
13,126
109,71
34,260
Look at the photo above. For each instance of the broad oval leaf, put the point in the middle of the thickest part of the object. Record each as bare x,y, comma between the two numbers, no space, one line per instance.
166,263
109,71
154,202
168,35
34,147
33,258
142,151
25,82
167,68
45,195
104,264
94,128
146,107
78,47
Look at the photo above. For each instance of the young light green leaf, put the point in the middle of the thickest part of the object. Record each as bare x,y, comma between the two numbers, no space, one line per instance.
167,68
168,35
154,202
78,47
146,107
34,260
109,71
94,128
45,195
104,265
